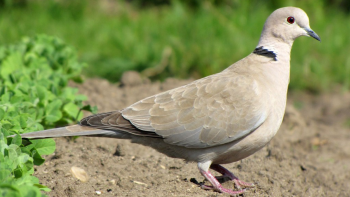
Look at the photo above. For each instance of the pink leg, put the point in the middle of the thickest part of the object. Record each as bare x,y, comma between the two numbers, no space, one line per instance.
216,185
239,184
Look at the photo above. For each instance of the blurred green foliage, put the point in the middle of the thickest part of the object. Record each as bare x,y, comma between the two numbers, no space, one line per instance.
184,38
273,4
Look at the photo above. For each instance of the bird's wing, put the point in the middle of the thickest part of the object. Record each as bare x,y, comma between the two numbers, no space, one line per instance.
114,121
208,112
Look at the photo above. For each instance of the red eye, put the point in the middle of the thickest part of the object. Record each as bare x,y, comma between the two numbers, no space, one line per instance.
290,20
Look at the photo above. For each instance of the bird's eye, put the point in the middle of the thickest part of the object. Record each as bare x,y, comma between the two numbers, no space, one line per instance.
290,20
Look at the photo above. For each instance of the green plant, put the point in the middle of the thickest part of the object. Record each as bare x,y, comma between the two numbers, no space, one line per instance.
34,94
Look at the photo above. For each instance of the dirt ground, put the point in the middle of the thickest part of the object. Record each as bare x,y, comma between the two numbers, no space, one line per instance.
309,156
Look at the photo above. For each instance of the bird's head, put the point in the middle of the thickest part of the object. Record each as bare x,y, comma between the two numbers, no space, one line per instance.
286,24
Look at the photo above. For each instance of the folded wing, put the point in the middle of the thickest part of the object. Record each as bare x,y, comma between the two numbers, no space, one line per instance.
208,112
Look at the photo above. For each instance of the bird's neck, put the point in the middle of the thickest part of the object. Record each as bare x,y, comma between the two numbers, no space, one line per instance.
275,49
279,67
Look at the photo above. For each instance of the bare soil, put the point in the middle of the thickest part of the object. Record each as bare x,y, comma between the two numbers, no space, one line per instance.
309,156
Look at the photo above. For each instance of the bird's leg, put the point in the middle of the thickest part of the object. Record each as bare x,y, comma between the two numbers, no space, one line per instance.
225,172
204,170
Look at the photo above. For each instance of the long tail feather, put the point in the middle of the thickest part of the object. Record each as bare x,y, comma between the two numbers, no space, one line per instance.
74,130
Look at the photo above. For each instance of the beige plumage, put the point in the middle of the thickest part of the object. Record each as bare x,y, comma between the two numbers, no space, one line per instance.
215,120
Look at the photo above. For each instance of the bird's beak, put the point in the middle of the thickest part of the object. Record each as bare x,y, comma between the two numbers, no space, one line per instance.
312,33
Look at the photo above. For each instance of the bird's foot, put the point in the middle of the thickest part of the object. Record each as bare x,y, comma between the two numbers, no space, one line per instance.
238,183
221,189
216,186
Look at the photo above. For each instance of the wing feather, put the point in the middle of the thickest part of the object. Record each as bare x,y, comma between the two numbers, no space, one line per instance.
116,122
208,112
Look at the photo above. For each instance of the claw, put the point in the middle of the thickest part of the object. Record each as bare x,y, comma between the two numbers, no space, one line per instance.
221,189
238,183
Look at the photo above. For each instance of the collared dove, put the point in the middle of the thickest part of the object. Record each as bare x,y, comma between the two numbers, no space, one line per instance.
215,120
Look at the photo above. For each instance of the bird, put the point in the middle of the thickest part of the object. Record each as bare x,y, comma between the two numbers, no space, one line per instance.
215,120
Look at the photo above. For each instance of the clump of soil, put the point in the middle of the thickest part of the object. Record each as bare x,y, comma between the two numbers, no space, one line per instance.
309,156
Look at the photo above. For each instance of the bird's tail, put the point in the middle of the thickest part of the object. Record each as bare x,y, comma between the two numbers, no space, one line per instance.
74,130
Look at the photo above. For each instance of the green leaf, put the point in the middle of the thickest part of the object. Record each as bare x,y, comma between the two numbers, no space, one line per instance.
3,144
18,173
11,64
38,160
4,174
23,120
72,110
9,190
44,146
4,132
25,160
12,153
6,124
2,90
89,108
80,97
30,191
16,99
41,91
53,113
2,114
5,98
17,140
42,187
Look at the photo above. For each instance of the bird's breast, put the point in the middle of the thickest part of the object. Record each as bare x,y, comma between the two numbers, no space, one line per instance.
273,90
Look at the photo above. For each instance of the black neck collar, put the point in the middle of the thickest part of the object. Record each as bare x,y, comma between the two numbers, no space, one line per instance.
265,52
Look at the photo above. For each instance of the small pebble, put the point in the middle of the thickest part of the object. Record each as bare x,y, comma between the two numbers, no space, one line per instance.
140,183
79,174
